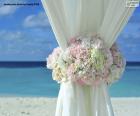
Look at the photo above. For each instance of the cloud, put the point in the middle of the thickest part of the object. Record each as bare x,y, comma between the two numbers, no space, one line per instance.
39,20
9,35
6,10
30,39
130,36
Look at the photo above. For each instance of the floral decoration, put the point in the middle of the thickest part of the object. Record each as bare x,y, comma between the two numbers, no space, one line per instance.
86,61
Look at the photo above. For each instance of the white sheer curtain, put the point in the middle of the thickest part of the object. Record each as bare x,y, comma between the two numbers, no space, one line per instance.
70,18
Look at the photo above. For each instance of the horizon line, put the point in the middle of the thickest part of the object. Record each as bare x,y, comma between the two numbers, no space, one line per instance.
26,64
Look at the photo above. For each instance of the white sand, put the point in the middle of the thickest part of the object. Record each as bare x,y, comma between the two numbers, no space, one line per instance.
18,106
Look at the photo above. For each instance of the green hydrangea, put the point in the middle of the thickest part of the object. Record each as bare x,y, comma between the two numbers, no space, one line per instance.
98,59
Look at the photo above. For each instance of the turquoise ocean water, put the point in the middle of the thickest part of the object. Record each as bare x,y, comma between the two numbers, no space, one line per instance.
37,81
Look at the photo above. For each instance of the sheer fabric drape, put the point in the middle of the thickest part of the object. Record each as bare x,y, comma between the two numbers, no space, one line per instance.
70,18
76,100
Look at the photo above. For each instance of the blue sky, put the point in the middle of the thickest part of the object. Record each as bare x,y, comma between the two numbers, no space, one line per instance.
26,35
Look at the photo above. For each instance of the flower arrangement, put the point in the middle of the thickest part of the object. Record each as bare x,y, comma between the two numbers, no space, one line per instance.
86,61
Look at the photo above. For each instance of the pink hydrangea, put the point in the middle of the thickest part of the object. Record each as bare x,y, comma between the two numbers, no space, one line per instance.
51,60
74,41
71,71
85,67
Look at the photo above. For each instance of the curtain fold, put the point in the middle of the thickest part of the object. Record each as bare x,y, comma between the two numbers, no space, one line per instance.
70,18
115,18
77,100
57,20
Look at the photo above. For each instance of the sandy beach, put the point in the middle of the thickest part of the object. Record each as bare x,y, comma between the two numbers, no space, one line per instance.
19,106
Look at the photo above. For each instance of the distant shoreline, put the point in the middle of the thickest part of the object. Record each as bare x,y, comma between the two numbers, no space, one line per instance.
25,64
